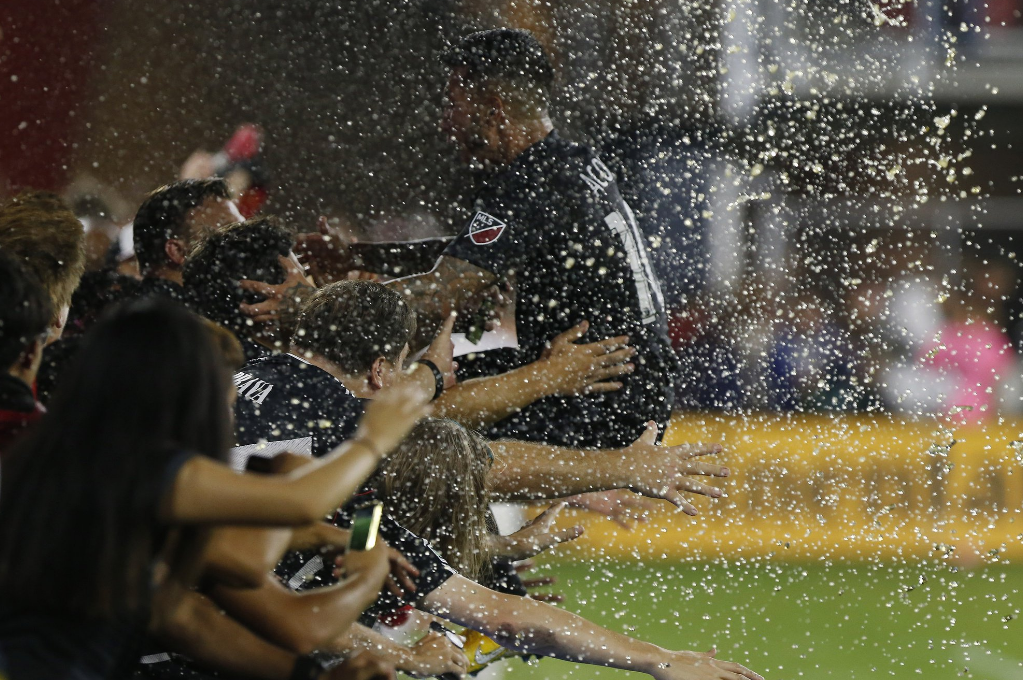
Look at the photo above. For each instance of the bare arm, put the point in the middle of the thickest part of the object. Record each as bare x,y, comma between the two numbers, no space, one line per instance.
304,622
532,627
432,656
565,368
196,627
206,491
451,286
241,557
528,471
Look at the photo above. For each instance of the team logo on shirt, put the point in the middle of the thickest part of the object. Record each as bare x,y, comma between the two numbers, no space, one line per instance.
485,229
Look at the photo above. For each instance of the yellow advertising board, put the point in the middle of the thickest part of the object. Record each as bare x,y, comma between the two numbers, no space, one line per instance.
846,488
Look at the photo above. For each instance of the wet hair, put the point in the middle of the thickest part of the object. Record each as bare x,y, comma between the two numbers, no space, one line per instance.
96,292
26,312
47,238
435,485
511,57
82,489
353,323
246,250
162,217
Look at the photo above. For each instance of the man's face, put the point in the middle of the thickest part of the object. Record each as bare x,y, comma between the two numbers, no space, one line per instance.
391,371
210,215
464,120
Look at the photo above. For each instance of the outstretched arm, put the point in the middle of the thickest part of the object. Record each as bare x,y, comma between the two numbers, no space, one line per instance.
528,471
432,656
206,491
532,627
453,285
196,627
565,368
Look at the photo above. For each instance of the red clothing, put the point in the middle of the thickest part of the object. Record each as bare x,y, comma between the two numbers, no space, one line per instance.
18,410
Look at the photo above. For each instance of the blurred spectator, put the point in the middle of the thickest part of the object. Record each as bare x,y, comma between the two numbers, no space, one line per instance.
37,228
810,362
22,335
101,232
973,349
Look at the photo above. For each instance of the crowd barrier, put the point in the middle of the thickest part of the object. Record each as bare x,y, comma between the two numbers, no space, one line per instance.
842,488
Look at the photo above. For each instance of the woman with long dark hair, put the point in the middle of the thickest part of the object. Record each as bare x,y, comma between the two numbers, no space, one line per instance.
131,448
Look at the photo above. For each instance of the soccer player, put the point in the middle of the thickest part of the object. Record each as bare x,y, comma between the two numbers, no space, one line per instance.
551,223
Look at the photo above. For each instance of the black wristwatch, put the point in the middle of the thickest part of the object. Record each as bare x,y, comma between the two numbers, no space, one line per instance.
438,377
308,667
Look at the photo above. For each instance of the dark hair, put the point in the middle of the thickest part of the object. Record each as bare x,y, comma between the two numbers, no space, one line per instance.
508,54
162,216
80,493
25,313
247,250
48,239
97,291
353,323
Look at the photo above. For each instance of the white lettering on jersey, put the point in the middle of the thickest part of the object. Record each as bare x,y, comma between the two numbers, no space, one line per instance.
647,289
485,229
251,388
597,176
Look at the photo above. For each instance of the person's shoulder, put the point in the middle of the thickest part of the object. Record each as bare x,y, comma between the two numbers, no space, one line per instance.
576,169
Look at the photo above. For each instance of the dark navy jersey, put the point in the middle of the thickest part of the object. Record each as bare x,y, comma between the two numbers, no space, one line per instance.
554,223
283,398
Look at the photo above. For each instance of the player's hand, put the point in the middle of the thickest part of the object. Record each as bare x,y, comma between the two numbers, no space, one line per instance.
538,535
287,295
533,585
362,666
621,506
495,299
585,369
700,666
328,255
441,352
391,415
667,471
434,656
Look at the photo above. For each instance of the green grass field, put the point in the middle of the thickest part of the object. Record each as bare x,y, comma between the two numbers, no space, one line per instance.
805,621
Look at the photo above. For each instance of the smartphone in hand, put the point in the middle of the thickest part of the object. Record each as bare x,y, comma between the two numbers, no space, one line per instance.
365,525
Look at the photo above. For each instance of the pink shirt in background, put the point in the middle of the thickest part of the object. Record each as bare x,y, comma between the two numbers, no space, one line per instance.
974,357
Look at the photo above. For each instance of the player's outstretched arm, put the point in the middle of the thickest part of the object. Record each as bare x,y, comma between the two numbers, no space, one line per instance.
566,368
531,627
453,285
528,471
206,491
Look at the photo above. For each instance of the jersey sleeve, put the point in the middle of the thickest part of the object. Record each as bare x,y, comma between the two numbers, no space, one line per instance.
493,240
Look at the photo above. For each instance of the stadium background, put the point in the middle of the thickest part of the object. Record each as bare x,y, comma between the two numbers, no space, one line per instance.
782,155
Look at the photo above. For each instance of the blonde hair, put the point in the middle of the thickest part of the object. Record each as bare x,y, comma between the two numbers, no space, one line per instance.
435,485
38,229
